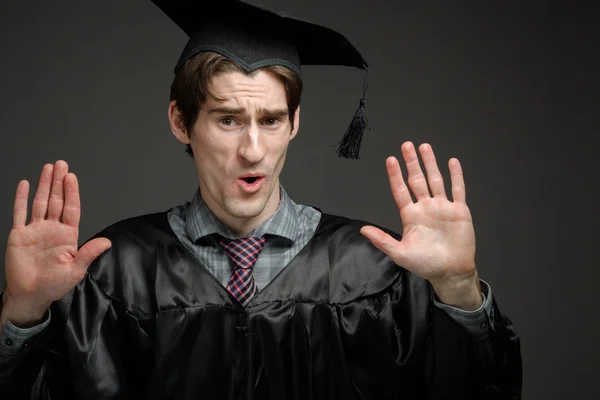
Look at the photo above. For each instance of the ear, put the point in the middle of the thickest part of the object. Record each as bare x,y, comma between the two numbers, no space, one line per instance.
296,123
177,127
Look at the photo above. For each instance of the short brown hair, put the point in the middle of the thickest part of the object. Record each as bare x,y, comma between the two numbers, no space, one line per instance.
191,86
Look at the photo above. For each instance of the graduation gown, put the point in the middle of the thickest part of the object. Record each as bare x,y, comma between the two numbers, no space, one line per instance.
341,321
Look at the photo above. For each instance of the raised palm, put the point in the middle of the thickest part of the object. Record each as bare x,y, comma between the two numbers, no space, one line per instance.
42,261
438,241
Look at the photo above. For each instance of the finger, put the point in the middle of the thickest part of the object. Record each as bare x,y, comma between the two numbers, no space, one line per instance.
72,209
57,193
458,182
416,179
40,201
20,209
435,179
393,248
90,251
400,191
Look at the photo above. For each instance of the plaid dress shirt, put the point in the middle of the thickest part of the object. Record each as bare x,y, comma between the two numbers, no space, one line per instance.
287,232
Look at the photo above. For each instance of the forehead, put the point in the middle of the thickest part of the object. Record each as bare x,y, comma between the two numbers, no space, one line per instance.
261,86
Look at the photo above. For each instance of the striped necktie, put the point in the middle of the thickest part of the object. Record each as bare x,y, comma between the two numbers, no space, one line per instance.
243,254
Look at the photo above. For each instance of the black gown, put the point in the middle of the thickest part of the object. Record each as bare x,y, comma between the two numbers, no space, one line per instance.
341,321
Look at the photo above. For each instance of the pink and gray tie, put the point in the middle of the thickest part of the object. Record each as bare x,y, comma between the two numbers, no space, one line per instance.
243,254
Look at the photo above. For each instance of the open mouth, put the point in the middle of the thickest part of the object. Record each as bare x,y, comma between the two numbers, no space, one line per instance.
251,184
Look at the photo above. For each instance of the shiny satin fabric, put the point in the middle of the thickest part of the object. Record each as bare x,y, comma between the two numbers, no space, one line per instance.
341,321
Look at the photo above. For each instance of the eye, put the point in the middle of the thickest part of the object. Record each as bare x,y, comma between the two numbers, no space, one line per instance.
227,121
272,121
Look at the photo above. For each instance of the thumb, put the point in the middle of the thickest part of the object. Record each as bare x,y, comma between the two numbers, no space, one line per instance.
91,250
393,248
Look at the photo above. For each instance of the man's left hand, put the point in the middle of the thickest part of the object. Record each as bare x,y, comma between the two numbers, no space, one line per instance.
438,240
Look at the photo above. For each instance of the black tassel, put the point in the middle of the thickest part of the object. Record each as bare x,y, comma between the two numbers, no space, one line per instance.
349,147
350,144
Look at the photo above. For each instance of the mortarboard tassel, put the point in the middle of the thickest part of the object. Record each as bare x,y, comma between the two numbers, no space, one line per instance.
349,147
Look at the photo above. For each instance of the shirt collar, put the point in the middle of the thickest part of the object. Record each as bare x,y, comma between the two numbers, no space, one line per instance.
200,221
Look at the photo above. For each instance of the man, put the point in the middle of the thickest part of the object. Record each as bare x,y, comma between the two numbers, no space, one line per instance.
241,293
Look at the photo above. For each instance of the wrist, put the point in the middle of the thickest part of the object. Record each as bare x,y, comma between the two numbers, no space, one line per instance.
463,293
21,313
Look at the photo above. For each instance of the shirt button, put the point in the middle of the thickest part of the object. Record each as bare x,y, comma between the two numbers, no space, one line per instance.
484,325
26,343
8,342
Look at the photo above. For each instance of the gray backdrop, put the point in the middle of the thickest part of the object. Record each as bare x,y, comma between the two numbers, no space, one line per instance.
506,88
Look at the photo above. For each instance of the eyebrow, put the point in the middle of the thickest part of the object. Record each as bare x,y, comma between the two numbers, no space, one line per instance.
236,111
225,110
273,113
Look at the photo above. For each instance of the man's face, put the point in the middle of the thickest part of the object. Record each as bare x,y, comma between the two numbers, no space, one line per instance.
240,146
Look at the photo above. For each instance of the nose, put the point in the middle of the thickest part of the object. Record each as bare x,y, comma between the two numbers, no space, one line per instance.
252,148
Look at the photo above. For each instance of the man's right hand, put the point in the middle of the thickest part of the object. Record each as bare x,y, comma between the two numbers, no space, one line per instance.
42,263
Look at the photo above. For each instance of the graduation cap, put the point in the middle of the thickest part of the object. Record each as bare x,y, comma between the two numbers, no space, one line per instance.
254,37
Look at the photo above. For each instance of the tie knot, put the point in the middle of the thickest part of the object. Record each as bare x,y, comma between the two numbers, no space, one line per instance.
243,252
